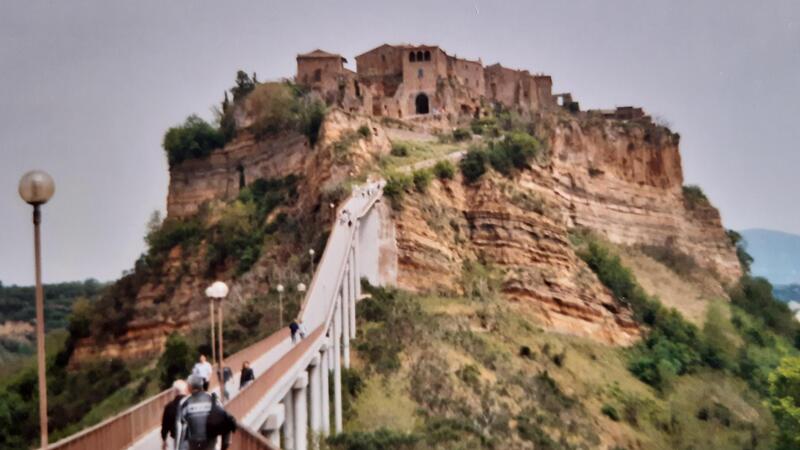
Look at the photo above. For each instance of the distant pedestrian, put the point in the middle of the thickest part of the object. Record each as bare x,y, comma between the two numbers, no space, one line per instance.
301,329
247,375
203,370
294,328
201,420
169,417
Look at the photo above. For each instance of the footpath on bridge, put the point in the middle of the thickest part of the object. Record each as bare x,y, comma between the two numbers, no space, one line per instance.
328,310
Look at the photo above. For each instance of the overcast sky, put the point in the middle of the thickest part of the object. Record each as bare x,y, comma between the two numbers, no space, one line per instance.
87,90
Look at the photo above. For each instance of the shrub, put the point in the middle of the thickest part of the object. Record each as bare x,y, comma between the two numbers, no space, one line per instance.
422,179
195,138
679,262
473,164
400,149
176,361
515,151
755,296
461,134
444,170
173,232
694,196
784,392
485,126
396,186
278,107
364,131
610,412
745,260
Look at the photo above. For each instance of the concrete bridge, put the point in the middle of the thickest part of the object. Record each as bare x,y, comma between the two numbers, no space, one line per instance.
288,405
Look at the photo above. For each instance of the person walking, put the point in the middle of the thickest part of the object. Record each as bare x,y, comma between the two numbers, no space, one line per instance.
201,420
294,327
169,417
203,370
247,375
301,329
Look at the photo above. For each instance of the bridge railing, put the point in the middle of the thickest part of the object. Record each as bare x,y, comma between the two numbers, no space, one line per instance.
127,427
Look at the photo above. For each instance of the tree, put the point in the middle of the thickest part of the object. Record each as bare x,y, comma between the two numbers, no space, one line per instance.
784,392
244,85
176,361
195,138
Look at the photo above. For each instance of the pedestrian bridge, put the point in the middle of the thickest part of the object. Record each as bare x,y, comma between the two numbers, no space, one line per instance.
288,405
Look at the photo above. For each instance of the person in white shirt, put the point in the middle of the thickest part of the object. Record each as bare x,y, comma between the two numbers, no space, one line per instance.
203,370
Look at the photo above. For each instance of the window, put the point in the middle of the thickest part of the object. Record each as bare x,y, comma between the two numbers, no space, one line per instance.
419,56
412,57
427,55
318,75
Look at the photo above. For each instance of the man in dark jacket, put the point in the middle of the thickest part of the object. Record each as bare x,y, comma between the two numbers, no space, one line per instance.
247,375
201,419
171,412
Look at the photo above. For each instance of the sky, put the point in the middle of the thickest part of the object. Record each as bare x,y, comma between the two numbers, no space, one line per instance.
88,88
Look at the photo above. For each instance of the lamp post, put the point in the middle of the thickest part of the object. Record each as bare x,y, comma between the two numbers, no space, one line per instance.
279,288
218,291
36,188
311,255
301,289
209,293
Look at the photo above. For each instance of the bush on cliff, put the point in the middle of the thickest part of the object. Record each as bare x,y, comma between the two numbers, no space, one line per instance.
754,295
693,196
444,170
278,107
176,361
195,138
473,164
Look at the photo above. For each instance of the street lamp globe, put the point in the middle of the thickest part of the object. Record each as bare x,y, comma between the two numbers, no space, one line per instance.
311,252
217,290
301,287
36,187
279,288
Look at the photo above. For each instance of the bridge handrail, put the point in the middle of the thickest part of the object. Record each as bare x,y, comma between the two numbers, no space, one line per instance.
125,428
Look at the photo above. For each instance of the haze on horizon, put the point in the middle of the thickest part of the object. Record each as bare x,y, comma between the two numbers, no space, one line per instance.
88,89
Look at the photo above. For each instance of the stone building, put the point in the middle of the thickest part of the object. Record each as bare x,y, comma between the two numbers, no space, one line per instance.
406,81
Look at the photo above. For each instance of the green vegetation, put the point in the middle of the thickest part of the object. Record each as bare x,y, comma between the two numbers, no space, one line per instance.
364,131
17,303
279,107
676,260
473,164
406,153
176,361
784,390
239,234
396,186
400,149
514,152
195,138
461,134
693,196
444,170
486,126
745,260
754,296
422,179
374,440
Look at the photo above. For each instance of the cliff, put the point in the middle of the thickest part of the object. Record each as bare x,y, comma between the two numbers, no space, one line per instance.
619,178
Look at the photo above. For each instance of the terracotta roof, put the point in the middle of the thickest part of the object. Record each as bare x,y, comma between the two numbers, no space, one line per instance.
320,54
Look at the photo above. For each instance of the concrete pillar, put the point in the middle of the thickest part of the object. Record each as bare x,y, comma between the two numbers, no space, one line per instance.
345,302
326,395
272,427
356,258
287,430
315,402
337,368
353,291
300,412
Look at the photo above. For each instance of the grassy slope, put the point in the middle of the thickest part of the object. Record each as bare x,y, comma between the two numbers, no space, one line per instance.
510,403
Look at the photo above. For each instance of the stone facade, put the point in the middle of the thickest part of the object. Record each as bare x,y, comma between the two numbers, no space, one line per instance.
408,81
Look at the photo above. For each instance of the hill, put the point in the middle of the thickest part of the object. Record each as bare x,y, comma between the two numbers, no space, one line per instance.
776,254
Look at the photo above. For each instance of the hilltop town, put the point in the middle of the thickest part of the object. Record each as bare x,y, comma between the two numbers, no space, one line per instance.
423,81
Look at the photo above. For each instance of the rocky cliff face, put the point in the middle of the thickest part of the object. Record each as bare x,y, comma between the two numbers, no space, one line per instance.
622,179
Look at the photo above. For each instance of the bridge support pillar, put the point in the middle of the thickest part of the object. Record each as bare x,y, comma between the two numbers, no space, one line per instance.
272,427
315,392
345,302
353,279
337,368
287,430
300,412
325,414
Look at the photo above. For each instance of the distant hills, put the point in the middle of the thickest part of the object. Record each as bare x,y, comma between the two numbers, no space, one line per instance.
777,255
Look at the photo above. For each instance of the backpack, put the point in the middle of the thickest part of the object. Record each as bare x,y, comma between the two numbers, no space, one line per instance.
219,422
